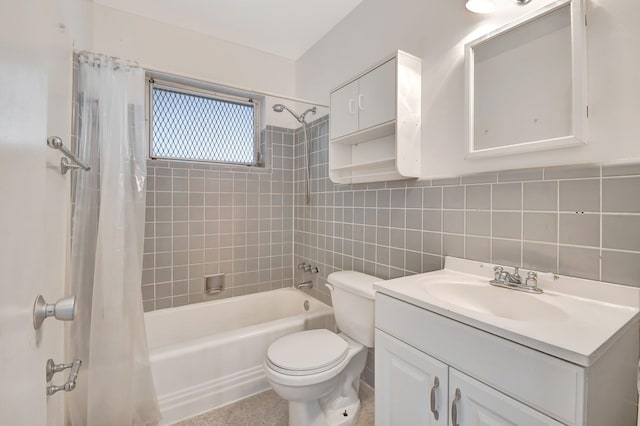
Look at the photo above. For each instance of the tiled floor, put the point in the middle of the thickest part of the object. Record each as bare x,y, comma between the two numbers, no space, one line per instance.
268,409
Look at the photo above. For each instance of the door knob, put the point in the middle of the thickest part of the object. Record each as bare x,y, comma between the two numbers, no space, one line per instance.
63,310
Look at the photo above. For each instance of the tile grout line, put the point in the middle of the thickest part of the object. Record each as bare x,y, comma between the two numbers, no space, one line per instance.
600,253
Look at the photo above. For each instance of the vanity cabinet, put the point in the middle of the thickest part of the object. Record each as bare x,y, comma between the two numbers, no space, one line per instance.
477,404
489,380
413,388
375,123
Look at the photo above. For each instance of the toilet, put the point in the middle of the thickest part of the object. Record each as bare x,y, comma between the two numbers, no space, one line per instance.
318,371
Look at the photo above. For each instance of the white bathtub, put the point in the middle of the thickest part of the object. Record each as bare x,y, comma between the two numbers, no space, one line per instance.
209,354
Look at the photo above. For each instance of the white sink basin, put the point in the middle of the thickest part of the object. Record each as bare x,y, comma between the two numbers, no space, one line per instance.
574,319
500,302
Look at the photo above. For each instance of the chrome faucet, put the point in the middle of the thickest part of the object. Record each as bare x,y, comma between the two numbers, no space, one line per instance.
306,284
514,281
307,267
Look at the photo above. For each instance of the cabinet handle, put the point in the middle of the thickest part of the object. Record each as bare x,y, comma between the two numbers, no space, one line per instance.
361,102
352,105
454,408
434,388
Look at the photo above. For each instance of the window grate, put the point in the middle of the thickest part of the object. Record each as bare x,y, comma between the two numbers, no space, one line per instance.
186,126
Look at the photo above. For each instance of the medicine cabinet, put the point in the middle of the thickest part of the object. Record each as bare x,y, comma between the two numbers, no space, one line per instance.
526,84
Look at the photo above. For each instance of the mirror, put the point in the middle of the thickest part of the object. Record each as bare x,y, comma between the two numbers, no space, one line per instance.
526,84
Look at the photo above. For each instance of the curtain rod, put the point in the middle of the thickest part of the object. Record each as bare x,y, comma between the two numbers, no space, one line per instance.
232,86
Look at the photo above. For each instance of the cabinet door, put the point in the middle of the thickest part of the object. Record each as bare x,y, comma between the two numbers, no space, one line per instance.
344,110
377,96
406,393
475,404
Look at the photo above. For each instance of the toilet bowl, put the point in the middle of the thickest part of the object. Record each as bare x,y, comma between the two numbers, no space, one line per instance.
312,392
318,371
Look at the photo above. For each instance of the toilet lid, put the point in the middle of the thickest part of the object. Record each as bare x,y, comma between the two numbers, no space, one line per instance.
307,352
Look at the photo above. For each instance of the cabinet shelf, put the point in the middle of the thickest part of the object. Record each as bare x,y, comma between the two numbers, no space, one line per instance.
375,123
376,132
378,170
366,164
369,177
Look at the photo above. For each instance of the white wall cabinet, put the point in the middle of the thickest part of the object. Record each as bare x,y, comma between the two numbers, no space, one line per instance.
375,122
344,111
488,380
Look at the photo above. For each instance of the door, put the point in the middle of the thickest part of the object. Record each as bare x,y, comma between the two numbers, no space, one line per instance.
377,96
344,110
475,404
35,64
411,387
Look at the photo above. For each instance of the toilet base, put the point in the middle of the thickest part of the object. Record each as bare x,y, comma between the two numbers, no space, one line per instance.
310,413
338,418
329,410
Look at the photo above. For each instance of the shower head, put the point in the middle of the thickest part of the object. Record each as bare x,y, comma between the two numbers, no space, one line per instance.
307,141
304,114
280,108
299,118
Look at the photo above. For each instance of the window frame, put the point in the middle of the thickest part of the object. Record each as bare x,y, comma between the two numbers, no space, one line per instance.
216,93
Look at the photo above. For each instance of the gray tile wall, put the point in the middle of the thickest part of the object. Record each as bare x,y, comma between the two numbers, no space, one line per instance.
253,224
206,219
582,221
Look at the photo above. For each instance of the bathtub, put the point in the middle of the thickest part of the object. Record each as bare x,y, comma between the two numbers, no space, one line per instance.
210,354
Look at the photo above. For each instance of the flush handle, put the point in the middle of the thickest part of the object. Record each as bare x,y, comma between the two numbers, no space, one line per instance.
434,388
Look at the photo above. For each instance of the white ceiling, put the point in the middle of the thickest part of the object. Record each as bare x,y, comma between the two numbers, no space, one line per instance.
283,27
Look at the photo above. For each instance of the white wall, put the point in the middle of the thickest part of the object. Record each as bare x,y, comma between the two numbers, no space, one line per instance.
175,50
436,31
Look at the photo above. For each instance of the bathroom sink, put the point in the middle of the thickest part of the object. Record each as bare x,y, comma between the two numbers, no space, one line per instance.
504,303
573,319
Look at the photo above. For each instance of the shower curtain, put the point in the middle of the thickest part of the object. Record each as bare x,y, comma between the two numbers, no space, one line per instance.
115,385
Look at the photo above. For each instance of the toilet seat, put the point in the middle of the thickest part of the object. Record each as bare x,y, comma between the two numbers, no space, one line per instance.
307,352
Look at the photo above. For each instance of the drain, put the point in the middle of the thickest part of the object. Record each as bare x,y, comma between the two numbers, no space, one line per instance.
345,414
306,305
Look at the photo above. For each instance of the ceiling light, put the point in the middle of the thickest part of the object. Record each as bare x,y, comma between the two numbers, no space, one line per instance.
481,6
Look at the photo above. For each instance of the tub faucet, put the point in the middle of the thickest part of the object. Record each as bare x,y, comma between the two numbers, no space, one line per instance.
306,284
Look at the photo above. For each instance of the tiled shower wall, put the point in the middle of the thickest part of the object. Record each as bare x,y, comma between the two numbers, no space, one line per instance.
581,221
206,219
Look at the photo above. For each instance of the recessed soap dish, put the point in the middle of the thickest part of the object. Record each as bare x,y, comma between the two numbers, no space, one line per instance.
214,284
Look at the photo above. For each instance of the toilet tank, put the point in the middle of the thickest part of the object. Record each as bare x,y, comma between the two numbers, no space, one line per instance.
353,299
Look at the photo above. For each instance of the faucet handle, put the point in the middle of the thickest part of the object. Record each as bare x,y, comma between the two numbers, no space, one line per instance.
532,279
516,272
498,270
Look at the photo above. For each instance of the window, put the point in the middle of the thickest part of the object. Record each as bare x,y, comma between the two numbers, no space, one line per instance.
188,123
